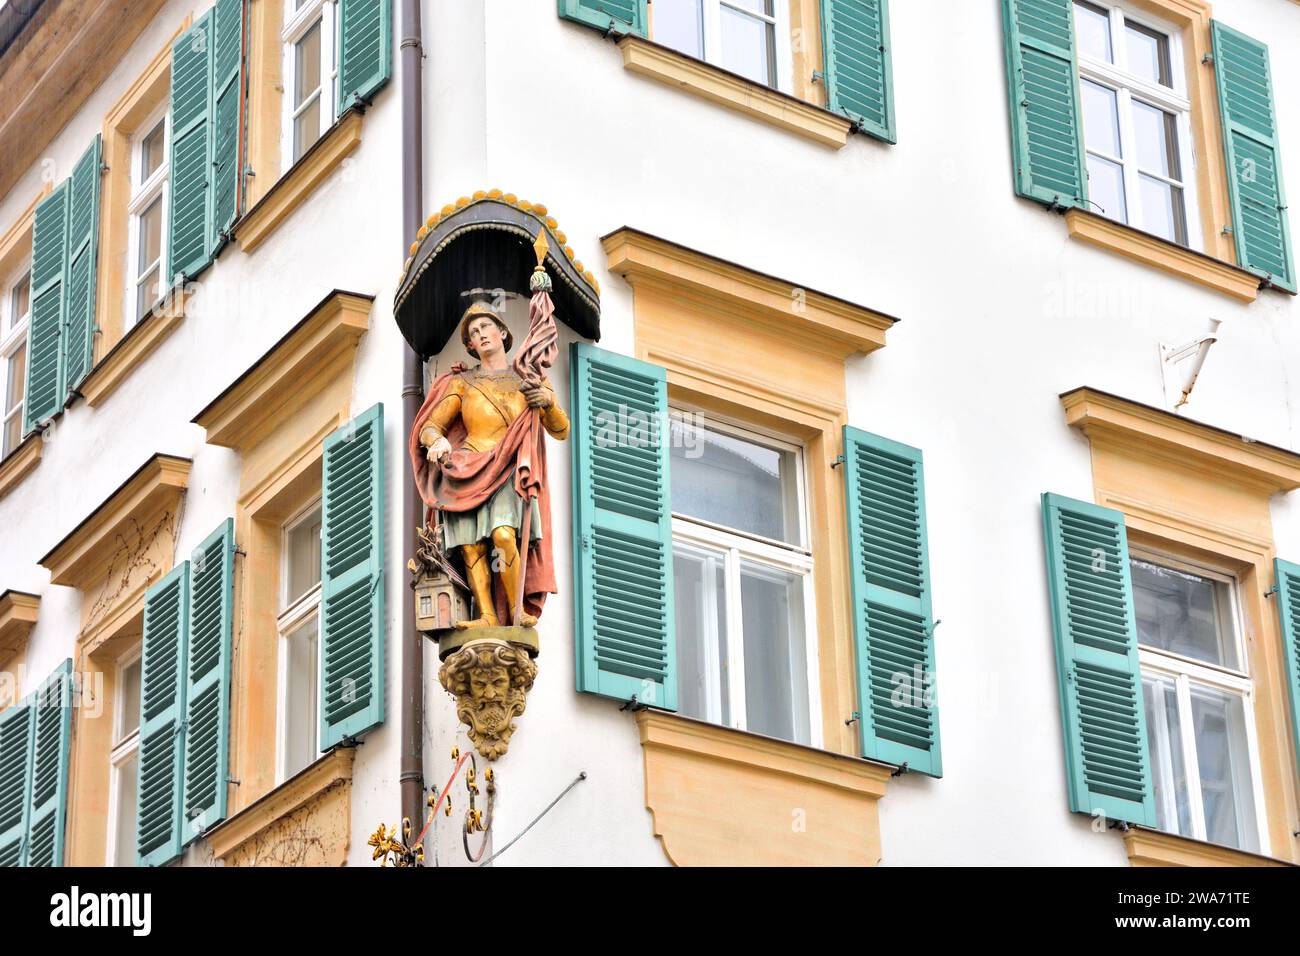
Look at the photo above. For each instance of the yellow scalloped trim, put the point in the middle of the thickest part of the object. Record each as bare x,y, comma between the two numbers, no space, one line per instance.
568,252
432,220
539,209
511,198
481,194
495,194
419,236
414,246
561,237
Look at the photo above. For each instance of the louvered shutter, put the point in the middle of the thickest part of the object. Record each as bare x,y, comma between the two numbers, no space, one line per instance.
1259,219
1042,80
618,16
52,728
15,778
365,50
352,580
191,206
227,98
207,681
1106,753
893,621
44,333
162,707
1287,577
82,257
859,65
623,554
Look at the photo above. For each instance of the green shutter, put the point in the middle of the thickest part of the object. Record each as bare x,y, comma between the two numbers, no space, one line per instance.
618,16
44,354
15,777
1259,220
623,551
52,730
190,207
227,98
1287,577
893,619
1042,80
365,50
162,707
352,580
1106,753
859,64
82,258
207,681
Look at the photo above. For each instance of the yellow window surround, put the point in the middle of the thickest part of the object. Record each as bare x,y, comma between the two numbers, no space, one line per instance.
802,113
18,613
1216,268
276,415
724,334
1201,494
769,803
15,248
1147,847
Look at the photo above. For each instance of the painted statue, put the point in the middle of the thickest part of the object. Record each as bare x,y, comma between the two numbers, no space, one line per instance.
480,463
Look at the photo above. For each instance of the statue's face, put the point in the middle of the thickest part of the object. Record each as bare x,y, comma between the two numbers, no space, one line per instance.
485,336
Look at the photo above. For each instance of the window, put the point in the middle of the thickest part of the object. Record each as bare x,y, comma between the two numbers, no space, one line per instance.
15,310
747,37
742,579
1199,703
124,764
148,231
1136,123
299,629
310,71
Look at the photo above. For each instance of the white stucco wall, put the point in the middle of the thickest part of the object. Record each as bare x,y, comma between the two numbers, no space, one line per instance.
1000,312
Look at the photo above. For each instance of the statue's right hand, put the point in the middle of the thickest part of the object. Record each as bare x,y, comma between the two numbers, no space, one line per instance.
439,451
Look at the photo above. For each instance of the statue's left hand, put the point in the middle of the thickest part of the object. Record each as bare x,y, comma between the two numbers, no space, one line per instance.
539,396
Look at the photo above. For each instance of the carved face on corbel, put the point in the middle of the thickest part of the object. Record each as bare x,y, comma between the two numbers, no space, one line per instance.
490,681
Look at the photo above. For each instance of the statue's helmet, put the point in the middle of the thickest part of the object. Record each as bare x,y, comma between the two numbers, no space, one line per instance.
476,309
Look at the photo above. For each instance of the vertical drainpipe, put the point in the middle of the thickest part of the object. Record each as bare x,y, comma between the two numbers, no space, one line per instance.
411,53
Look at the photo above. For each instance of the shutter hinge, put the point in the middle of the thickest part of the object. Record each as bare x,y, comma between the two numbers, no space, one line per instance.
1207,60
900,769
854,719
586,543
633,705
930,630
839,460
1271,591
818,76
1227,231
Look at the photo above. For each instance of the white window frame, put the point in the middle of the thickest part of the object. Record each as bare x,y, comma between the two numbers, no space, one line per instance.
122,750
297,23
143,195
694,534
289,620
1184,670
1129,86
13,338
711,41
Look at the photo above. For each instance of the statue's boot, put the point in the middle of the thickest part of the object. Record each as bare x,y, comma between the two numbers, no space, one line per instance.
507,552
479,571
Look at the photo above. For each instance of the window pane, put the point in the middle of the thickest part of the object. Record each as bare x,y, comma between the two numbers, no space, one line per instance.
1106,188
1093,28
1157,139
1224,767
21,300
307,65
747,46
757,6
13,435
130,691
776,663
1162,209
151,151
150,237
1148,54
1165,736
699,593
678,24
1100,119
124,825
300,705
306,129
1183,614
304,556
733,482
15,378
147,293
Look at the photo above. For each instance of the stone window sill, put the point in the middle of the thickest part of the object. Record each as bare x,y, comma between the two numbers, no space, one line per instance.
1169,256
723,797
735,92
140,341
20,463
1155,848
293,188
